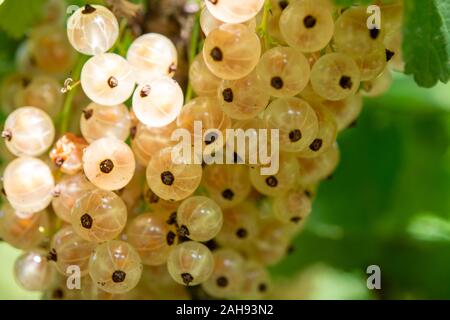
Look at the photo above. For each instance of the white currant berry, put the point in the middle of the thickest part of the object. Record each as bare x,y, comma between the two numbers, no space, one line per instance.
152,55
107,79
234,11
159,102
92,29
28,131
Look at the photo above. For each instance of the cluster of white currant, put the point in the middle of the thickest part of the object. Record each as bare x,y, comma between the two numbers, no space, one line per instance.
300,66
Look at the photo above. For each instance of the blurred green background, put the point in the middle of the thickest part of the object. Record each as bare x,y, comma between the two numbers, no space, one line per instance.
387,204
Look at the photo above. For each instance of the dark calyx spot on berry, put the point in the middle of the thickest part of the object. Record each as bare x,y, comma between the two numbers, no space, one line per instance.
52,256
172,219
262,287
7,134
228,95
86,221
212,245
59,161
88,9
228,194
183,231
241,233
151,196
374,33
58,294
283,4
171,238
113,82
167,178
272,181
308,194
172,68
118,276
277,83
389,55
106,166
296,219
290,249
213,1
210,138
145,91
187,278
133,131
309,21
26,82
216,54
295,135
88,113
346,82
222,282
316,145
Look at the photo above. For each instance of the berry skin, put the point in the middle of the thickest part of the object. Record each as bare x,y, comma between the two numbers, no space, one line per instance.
190,263
109,163
292,207
115,267
68,249
199,218
273,185
228,185
256,283
296,120
28,184
315,169
152,237
99,121
158,103
92,30
244,98
67,153
33,272
171,181
107,79
335,76
152,56
203,81
234,11
68,190
43,92
148,141
28,131
213,119
208,23
232,51
325,136
21,230
284,71
99,216
240,226
227,277
307,25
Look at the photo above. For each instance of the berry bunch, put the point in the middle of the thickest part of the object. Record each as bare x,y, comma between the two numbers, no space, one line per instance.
123,209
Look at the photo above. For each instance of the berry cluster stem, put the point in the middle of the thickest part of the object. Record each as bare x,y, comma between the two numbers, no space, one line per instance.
262,28
66,109
194,47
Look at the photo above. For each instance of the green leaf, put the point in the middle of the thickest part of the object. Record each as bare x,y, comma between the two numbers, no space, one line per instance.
17,16
426,41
